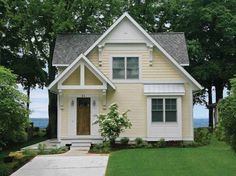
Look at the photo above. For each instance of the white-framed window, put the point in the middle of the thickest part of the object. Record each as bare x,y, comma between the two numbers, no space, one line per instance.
125,68
164,110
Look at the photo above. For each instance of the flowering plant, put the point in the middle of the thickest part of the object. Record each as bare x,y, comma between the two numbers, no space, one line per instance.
113,123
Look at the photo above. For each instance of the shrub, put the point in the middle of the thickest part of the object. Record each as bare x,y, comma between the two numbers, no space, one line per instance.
42,148
227,115
5,170
14,115
124,141
139,141
16,155
101,147
112,123
202,136
161,143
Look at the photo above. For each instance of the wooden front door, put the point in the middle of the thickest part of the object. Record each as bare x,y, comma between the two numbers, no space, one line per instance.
83,116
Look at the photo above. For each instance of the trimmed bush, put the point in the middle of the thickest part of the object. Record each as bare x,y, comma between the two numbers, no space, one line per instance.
124,141
202,136
139,141
104,147
161,143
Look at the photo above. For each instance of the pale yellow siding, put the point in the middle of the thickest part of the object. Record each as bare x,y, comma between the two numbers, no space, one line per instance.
90,78
130,96
187,112
160,70
67,104
74,78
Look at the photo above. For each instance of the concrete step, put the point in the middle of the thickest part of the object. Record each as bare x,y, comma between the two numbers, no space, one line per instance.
79,148
81,144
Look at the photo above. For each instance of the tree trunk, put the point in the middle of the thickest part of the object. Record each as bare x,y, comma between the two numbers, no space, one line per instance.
52,107
28,99
219,91
210,108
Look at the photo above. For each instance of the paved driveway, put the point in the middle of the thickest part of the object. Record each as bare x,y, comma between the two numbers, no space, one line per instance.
87,165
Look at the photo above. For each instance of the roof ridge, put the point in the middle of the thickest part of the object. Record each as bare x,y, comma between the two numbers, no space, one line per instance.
165,33
77,33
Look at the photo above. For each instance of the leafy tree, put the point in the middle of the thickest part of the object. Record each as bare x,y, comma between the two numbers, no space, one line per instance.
113,123
29,73
13,111
210,28
41,21
227,113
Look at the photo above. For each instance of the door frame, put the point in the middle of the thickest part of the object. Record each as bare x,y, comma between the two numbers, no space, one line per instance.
72,113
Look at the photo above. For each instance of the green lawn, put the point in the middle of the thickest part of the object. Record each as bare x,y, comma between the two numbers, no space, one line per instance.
216,159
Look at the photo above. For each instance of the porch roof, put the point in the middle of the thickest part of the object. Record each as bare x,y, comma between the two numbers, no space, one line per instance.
52,87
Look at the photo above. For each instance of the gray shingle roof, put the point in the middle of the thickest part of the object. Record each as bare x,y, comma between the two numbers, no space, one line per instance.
70,46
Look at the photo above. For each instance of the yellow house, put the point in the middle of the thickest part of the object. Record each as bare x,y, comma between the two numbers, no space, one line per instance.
141,72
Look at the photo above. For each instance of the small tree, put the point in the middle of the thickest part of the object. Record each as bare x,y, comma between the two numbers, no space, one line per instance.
227,113
13,111
113,123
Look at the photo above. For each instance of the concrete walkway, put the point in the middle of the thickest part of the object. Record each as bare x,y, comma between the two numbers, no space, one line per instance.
78,163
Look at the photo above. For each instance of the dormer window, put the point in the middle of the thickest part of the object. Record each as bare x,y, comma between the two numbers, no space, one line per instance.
125,68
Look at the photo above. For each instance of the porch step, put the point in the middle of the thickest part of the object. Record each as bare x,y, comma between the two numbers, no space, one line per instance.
81,145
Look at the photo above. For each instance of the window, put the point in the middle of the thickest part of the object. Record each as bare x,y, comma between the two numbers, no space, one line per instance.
125,68
164,110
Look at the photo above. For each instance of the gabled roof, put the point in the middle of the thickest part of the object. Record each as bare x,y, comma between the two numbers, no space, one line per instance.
168,55
86,60
69,46
174,43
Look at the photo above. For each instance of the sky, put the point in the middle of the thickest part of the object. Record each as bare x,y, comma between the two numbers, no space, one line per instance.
39,105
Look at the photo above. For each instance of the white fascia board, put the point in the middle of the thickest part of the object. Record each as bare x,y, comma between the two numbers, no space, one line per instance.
81,56
60,65
151,39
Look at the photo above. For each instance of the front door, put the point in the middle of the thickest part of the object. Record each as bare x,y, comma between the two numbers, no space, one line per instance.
83,116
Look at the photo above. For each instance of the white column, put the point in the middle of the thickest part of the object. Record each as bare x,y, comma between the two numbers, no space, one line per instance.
59,109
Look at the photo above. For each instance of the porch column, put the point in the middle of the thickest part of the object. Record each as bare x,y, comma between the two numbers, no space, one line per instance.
59,109
104,98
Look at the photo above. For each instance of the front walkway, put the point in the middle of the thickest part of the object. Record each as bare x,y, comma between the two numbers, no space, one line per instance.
72,163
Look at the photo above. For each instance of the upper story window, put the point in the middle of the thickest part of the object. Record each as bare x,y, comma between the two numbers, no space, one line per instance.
125,68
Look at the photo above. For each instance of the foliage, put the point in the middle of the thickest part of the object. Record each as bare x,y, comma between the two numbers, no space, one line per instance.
13,110
113,123
202,136
161,143
104,147
124,140
139,142
227,115
41,148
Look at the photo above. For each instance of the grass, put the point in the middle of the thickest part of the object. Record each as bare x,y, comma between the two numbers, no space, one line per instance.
212,160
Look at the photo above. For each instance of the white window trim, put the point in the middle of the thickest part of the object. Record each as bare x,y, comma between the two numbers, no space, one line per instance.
162,129
164,109
125,80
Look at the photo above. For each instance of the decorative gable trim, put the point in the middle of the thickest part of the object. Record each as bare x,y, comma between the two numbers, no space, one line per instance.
70,69
184,72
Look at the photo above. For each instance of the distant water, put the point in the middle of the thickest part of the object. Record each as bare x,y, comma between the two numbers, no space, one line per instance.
43,123
200,123
40,122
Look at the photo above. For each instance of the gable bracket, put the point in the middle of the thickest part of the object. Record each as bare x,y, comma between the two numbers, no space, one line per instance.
150,49
100,48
